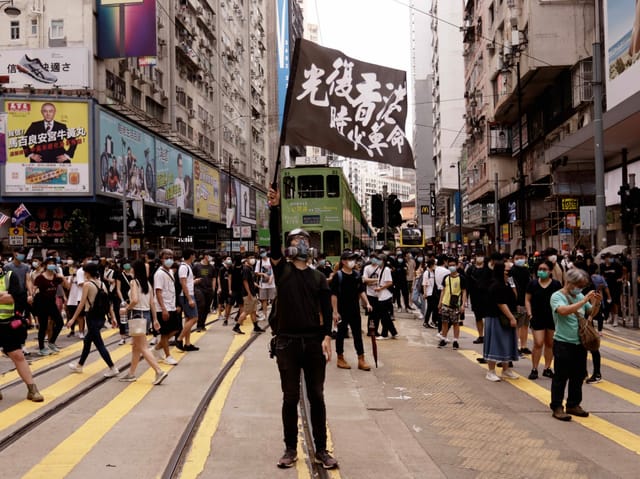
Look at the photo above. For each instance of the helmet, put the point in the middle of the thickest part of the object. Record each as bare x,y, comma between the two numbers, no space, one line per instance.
297,232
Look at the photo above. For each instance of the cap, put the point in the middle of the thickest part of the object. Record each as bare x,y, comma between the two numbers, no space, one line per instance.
348,254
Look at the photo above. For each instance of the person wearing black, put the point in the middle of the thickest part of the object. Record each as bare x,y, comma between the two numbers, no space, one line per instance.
324,266
224,291
205,278
401,286
302,328
521,277
612,273
478,278
347,290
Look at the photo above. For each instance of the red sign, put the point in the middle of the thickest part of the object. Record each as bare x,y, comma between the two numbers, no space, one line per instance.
19,106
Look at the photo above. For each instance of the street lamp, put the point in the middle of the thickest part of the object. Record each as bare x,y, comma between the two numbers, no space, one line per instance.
10,10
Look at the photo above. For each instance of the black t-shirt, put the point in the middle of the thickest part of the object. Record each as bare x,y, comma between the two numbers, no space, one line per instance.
247,275
206,273
303,301
348,291
223,279
612,274
541,297
521,277
125,286
500,293
236,279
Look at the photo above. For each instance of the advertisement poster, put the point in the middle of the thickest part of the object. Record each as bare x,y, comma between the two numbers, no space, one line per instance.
499,141
124,29
622,49
231,191
65,68
3,138
174,177
126,159
206,200
247,205
47,148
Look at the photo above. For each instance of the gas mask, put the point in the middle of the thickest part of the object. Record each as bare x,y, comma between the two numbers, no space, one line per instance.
301,251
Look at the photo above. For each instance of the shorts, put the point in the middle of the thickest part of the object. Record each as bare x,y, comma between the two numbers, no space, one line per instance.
521,317
251,306
223,298
450,315
236,299
171,325
267,294
188,311
542,323
12,339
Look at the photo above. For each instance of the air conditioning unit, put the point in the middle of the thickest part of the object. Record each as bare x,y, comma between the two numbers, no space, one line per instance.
581,82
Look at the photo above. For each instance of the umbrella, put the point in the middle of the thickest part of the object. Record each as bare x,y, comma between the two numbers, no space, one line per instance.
613,249
372,333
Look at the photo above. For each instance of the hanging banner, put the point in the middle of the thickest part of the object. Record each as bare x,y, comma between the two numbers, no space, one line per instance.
206,187
174,177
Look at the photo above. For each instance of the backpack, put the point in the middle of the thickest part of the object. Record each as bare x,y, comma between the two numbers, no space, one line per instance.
101,302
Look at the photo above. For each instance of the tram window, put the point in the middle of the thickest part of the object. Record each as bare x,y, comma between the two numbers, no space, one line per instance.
331,243
333,186
289,187
311,186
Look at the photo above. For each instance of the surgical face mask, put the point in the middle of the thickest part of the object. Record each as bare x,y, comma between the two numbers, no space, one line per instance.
321,262
543,274
20,257
453,269
209,259
252,261
351,264
519,262
263,255
52,267
398,253
553,258
35,264
69,262
479,259
228,262
168,262
127,267
420,259
576,291
400,260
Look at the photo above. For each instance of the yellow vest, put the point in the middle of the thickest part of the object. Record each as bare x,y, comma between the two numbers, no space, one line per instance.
6,310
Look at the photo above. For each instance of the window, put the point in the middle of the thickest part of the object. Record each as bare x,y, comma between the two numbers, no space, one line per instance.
136,97
289,187
57,28
34,27
333,186
311,186
331,243
15,30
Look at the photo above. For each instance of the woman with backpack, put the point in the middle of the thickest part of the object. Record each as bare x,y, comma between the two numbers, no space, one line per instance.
95,303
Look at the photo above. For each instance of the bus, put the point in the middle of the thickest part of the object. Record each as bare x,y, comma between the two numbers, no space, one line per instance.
319,200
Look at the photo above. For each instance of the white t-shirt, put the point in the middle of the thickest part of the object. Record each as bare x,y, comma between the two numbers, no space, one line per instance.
263,265
163,280
428,281
385,294
184,271
371,271
441,272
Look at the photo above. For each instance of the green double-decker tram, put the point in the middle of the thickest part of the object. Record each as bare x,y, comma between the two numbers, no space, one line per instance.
319,200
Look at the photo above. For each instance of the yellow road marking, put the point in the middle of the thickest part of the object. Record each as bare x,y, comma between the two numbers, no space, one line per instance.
16,413
201,444
631,370
620,436
46,361
64,457
619,391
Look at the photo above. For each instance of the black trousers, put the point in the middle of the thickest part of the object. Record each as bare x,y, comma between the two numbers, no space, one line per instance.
385,308
94,324
570,364
354,321
203,301
294,355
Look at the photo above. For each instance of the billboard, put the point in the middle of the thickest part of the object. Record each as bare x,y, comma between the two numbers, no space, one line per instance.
206,192
124,29
46,68
283,54
3,138
47,148
174,177
499,141
262,219
247,205
126,159
622,49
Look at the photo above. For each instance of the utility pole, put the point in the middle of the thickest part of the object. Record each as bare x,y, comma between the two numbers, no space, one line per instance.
521,183
496,211
634,263
598,134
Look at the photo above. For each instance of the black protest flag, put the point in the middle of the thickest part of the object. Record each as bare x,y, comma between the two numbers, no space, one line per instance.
351,108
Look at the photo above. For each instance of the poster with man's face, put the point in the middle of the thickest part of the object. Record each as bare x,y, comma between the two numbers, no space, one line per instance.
499,140
174,177
47,144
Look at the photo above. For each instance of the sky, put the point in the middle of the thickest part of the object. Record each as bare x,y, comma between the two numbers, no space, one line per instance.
375,31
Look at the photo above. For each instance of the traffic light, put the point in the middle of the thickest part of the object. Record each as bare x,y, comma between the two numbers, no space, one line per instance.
635,205
394,206
626,208
377,211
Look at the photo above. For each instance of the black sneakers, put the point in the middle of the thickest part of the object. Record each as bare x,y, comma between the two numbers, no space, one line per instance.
327,461
442,343
548,373
191,347
479,340
596,378
288,459
456,345
237,330
257,329
533,374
